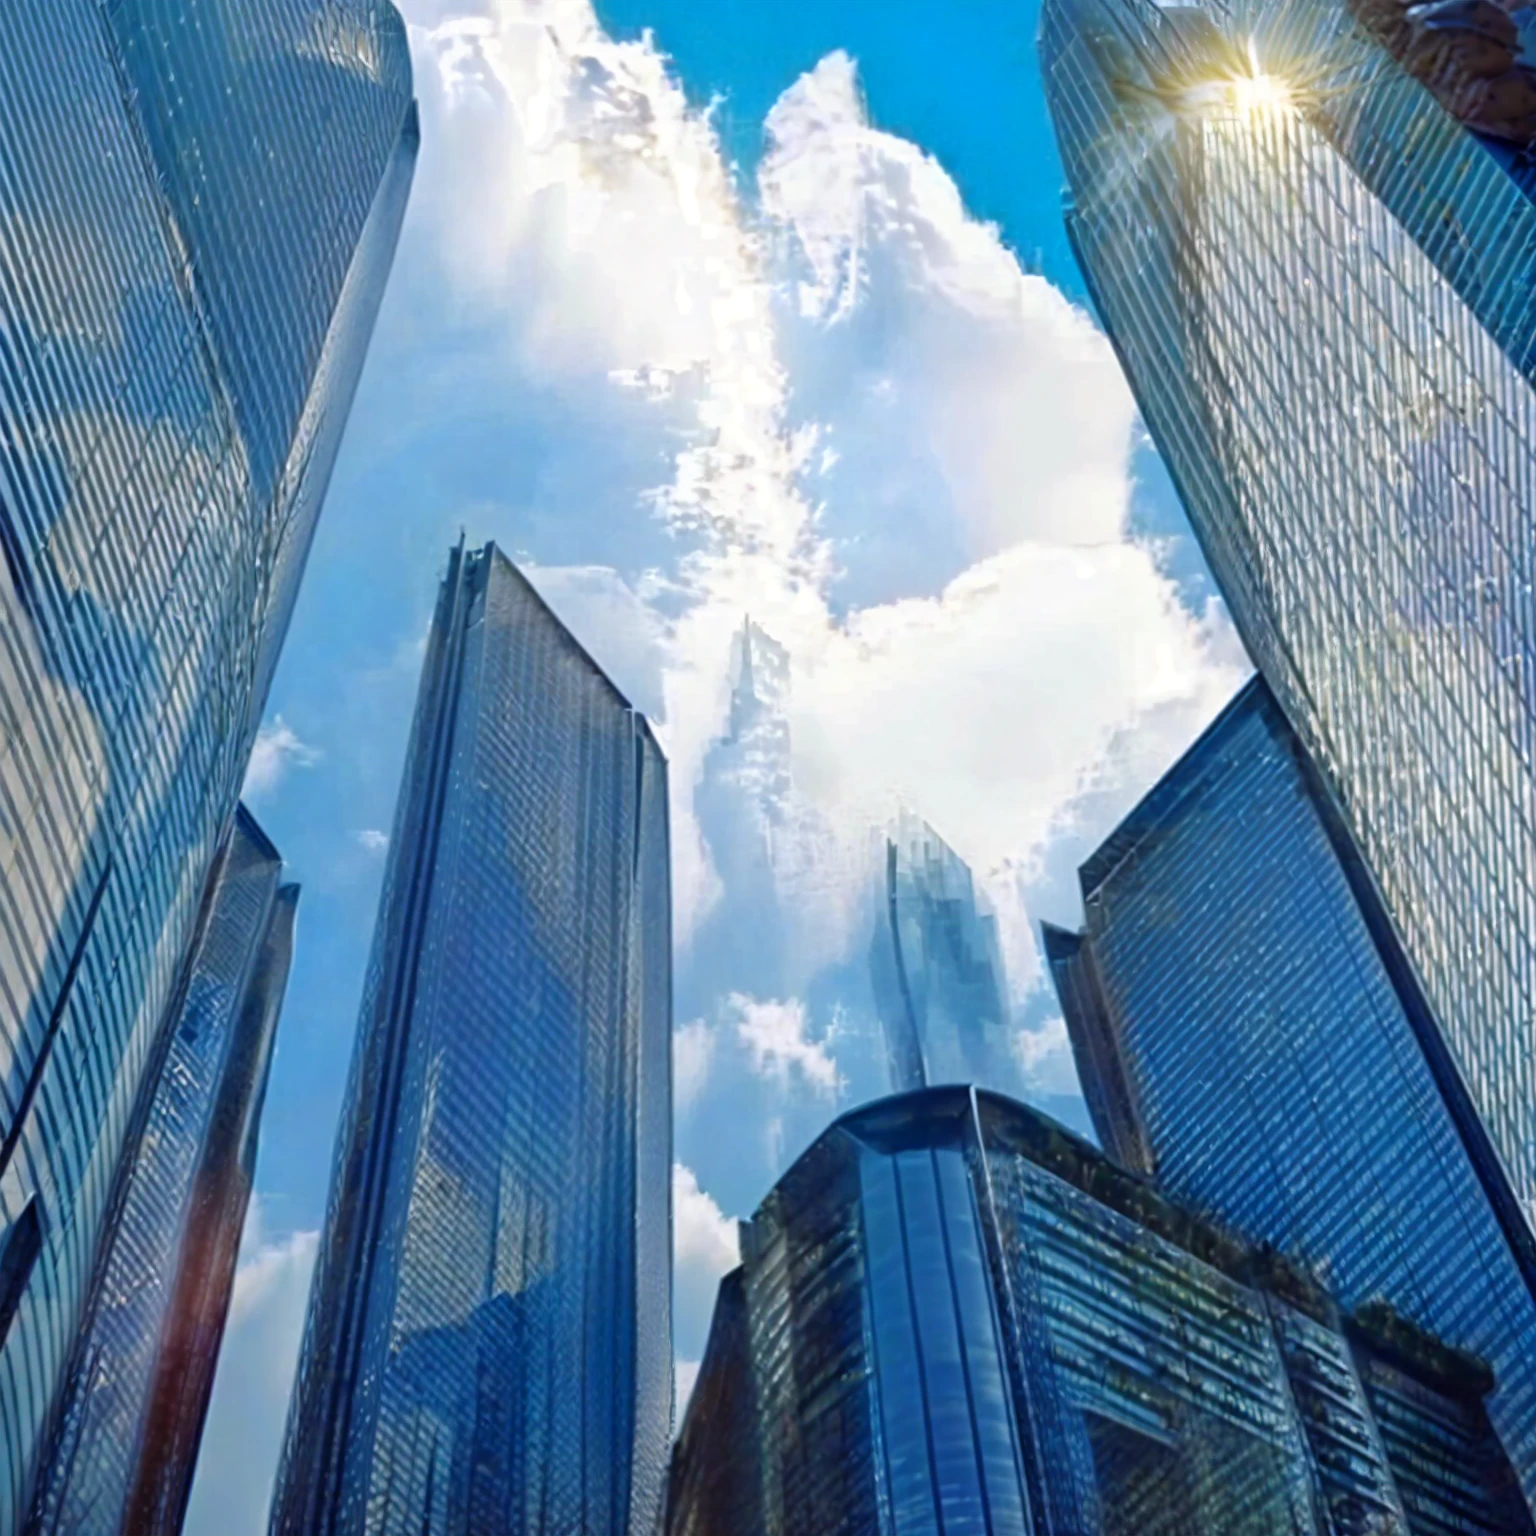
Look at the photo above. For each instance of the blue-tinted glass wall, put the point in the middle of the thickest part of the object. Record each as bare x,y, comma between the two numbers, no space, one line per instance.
714,1487
122,1454
961,1318
1229,986
936,967
488,1344
168,409
1322,286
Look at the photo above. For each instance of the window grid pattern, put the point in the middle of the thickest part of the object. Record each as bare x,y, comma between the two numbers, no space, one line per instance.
1158,1394
1355,1476
1262,1036
145,559
1328,313
715,1483
1452,1478
135,578
489,1344
937,969
113,1463
963,1319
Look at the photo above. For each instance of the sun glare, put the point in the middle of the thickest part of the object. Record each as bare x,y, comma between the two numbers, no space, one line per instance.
1259,95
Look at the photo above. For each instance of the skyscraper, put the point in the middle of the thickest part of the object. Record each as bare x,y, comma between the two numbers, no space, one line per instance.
961,1317
123,1452
489,1338
937,968
1320,275
1239,1035
716,1473
198,206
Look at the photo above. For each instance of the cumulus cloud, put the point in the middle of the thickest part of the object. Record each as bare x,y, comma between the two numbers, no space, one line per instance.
372,840
1045,1058
704,1250
693,1049
775,1034
906,457
277,749
243,1432
703,1239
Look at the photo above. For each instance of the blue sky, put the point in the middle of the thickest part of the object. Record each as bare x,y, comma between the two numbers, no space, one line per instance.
702,311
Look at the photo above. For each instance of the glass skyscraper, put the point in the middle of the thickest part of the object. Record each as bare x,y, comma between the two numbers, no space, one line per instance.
1239,1035
716,1474
122,1456
1310,230
488,1346
198,207
960,1317
937,968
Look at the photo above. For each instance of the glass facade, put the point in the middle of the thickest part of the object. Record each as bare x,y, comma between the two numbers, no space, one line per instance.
961,1318
198,206
715,1484
122,1454
488,1344
1320,275
1229,996
937,968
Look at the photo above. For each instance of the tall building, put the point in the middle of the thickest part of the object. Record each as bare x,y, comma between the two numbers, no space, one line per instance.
1310,229
1239,1036
198,207
123,1452
488,1346
715,1483
960,1317
936,967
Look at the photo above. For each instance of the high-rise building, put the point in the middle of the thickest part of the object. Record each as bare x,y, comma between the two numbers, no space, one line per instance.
959,1316
123,1451
1239,1036
1310,229
198,208
937,968
715,1484
488,1346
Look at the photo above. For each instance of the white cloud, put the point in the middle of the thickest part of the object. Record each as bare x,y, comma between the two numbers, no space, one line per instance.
704,1250
907,458
372,840
775,1035
1045,1058
244,1428
277,748
693,1049
942,356
703,1238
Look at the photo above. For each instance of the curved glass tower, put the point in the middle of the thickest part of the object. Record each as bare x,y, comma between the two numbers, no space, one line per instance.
198,206
960,1317
122,1457
1310,230
488,1346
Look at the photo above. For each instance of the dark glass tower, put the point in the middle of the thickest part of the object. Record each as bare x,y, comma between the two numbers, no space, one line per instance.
715,1484
1320,275
936,967
959,1317
489,1338
1238,1033
125,1445
198,206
